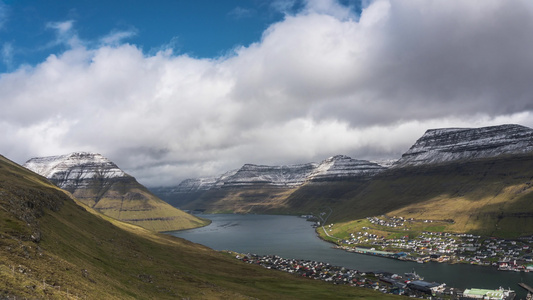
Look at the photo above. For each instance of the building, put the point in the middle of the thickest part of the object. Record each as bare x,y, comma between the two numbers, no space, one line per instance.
499,294
426,287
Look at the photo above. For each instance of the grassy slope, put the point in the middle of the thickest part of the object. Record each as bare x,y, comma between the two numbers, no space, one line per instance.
92,256
316,197
261,199
127,200
492,196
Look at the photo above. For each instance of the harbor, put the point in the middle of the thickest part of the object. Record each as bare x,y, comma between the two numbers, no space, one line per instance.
409,284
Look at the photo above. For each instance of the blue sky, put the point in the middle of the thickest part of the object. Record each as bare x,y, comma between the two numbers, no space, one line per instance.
185,89
203,28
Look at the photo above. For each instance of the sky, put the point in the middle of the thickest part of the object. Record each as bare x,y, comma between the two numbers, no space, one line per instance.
170,90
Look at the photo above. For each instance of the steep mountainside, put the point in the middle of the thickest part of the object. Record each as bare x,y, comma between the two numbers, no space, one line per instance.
490,196
82,254
453,144
100,184
481,178
334,168
255,175
258,188
343,167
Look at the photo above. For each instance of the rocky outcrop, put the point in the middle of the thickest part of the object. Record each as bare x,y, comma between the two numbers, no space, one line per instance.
455,144
344,167
282,176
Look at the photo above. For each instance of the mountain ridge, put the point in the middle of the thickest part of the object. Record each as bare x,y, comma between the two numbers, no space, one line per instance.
274,180
453,144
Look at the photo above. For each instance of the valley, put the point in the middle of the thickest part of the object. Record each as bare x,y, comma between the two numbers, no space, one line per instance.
54,246
480,178
458,195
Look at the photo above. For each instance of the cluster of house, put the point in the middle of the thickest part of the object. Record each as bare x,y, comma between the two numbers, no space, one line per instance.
512,255
409,284
389,222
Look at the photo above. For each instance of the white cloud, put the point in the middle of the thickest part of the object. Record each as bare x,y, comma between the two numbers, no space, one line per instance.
283,6
4,13
7,55
329,7
319,83
241,12
116,37
65,34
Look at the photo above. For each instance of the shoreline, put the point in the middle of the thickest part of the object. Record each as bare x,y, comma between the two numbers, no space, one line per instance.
451,260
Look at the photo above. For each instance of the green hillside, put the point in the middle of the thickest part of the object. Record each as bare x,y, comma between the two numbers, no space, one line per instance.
260,199
127,200
489,196
51,247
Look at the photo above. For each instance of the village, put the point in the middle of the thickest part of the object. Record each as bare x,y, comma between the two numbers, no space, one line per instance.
408,284
504,254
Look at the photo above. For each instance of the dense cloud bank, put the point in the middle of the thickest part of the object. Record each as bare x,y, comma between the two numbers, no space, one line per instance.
321,82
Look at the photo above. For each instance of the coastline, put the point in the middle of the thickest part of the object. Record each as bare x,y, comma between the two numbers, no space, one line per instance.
512,265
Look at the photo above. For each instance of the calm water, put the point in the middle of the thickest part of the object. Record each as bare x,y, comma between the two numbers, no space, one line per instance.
293,237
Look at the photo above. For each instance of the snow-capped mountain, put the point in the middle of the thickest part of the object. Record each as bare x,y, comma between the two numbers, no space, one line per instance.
74,170
454,144
265,182
334,168
251,175
202,183
342,166
197,184
101,184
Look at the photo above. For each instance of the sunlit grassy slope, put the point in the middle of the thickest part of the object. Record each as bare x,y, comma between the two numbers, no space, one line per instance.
51,247
127,200
490,196
259,199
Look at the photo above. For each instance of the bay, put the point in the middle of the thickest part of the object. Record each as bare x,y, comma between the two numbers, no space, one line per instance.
293,237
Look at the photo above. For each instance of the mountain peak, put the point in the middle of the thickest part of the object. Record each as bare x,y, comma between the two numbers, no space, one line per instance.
69,169
342,166
101,184
452,144
337,157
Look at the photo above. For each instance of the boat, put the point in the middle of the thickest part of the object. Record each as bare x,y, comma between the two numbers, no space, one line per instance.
413,276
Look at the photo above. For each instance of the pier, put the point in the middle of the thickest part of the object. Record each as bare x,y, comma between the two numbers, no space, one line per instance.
528,289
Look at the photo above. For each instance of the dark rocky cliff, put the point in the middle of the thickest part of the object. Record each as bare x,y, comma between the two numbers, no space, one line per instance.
453,144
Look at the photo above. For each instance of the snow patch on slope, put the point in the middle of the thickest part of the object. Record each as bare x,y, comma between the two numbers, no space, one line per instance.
452,144
74,169
342,166
249,175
